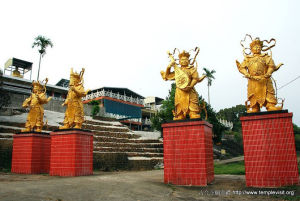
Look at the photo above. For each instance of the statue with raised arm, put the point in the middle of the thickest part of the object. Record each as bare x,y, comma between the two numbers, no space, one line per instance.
186,77
35,102
258,67
74,115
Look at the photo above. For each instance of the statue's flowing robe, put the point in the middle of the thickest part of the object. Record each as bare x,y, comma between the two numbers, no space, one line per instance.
185,102
36,113
259,91
74,112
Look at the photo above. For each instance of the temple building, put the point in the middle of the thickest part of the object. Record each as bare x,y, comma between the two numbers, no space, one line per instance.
120,103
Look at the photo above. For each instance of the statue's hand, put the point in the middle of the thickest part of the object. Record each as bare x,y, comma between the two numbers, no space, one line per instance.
49,98
172,63
238,64
267,75
64,104
187,88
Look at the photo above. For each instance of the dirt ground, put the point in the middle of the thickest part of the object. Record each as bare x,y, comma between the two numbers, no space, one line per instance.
141,185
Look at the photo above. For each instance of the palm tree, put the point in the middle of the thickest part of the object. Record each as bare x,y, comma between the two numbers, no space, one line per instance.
210,77
41,42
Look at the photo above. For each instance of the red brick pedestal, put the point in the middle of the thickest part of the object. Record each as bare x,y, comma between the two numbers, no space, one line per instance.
31,153
188,153
269,149
71,153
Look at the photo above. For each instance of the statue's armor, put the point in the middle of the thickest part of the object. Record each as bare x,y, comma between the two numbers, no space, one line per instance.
259,91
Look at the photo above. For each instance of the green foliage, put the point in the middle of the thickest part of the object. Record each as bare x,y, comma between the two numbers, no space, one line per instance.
233,114
95,108
218,128
236,168
296,129
5,154
209,75
165,113
42,42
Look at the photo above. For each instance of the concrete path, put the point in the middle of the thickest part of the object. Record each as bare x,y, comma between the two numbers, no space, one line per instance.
143,185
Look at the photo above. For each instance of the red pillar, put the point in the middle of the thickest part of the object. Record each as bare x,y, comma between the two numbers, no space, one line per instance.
71,153
269,149
188,153
31,153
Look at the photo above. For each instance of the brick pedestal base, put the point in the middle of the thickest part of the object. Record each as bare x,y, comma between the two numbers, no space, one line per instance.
269,148
31,153
71,153
188,153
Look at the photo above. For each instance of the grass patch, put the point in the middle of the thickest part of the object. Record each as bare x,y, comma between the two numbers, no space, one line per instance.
236,168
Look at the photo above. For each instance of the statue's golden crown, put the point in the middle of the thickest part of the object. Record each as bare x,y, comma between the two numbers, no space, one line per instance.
37,84
184,54
256,42
74,75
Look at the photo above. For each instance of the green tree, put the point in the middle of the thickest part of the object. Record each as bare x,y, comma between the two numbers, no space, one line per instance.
95,108
165,113
218,128
42,43
210,77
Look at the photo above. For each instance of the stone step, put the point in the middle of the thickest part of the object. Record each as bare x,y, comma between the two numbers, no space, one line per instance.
134,154
128,145
115,134
128,149
103,123
105,128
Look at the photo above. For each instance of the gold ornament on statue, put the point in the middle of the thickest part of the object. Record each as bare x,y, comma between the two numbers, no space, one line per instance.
35,102
186,77
258,68
74,115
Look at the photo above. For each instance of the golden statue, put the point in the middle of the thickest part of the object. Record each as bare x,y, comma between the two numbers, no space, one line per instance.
74,115
186,77
258,68
35,103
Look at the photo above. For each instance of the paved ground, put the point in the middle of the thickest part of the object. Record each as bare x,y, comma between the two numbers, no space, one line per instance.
142,185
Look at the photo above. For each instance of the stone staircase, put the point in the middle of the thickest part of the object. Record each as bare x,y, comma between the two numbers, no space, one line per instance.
115,145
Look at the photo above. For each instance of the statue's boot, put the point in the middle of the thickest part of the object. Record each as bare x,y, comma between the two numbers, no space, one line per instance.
38,129
78,126
194,115
65,126
27,129
179,117
273,107
255,108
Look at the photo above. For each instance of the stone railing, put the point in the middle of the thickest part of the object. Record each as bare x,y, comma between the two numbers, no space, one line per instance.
113,95
226,123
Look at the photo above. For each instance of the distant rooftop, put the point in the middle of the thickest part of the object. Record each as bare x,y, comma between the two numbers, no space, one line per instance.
18,63
63,83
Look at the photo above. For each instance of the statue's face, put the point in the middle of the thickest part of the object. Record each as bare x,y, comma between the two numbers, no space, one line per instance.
35,89
184,61
74,82
256,49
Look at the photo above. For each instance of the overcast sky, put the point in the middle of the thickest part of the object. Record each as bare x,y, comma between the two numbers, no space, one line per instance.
124,43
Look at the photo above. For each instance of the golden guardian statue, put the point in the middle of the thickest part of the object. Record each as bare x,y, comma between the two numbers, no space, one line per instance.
74,115
35,102
186,77
258,67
